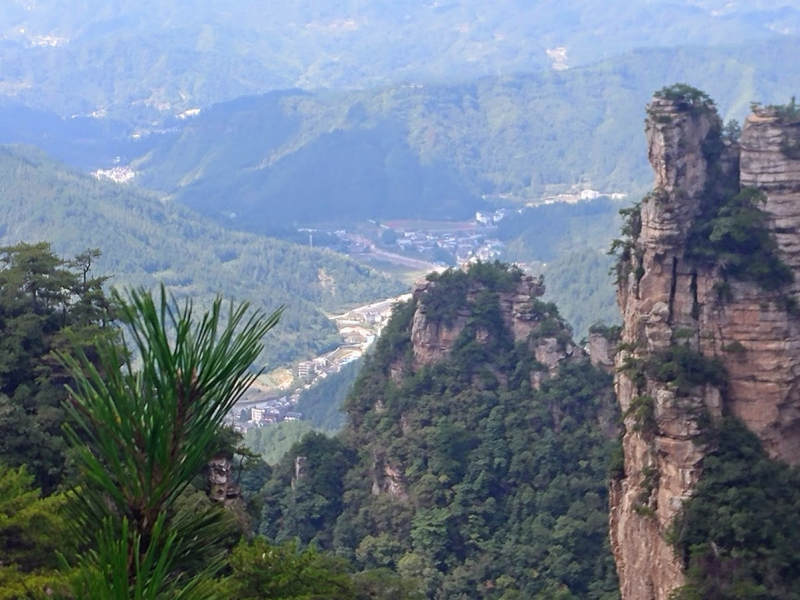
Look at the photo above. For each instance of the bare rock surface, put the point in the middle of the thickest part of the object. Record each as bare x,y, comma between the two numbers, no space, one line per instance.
666,300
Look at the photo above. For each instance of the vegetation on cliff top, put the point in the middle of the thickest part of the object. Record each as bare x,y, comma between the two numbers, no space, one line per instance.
731,232
462,476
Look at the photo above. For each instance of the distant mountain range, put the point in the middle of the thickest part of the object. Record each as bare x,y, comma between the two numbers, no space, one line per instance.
145,241
290,158
441,150
145,58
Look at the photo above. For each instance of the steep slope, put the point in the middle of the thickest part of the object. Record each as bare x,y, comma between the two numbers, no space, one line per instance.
708,291
474,457
171,55
145,241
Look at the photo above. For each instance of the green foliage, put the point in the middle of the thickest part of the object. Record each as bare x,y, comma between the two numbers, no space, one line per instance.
461,475
737,534
261,570
732,232
305,492
140,435
686,97
623,248
685,369
613,333
679,366
285,572
642,410
32,530
449,293
46,304
147,242
787,113
734,347
732,131
271,442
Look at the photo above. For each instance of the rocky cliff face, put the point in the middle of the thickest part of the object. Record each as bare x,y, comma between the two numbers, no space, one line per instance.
525,319
433,339
675,305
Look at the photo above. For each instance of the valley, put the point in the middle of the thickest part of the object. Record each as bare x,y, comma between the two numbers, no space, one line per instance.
443,300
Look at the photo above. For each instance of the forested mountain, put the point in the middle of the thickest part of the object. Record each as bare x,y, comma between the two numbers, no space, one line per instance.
145,241
170,55
435,150
145,505
474,457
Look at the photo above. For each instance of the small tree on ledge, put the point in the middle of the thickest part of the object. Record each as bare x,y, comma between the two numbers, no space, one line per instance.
685,96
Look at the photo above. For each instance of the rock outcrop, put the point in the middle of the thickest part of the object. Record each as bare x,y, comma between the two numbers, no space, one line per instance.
221,481
671,300
433,339
523,318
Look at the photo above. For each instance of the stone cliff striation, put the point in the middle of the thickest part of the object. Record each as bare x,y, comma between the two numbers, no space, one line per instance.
703,335
447,312
433,338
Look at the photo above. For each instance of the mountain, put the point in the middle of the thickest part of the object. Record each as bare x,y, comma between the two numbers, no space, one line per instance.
153,57
705,505
474,457
443,150
145,241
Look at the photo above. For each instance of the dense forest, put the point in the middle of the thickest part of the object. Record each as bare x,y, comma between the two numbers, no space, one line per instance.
145,241
111,411
463,476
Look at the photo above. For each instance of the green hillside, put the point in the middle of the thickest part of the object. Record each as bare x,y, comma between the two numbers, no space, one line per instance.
145,241
463,476
437,150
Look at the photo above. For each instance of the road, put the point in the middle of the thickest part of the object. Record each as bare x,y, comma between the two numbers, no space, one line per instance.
399,259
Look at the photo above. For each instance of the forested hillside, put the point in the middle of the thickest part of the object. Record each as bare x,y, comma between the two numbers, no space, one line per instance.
480,474
436,150
145,504
170,55
145,241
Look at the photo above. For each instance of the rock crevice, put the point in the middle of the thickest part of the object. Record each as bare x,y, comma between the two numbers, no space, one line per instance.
669,299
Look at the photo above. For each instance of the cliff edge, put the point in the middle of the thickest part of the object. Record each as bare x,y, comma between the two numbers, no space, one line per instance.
708,293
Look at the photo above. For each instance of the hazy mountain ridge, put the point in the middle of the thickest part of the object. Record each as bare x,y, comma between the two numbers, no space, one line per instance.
435,150
168,56
145,241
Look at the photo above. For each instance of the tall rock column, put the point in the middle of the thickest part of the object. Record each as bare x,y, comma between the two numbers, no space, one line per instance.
763,390
675,306
658,296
